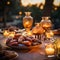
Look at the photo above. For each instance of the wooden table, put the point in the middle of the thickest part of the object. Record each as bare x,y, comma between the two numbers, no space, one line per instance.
36,53
33,54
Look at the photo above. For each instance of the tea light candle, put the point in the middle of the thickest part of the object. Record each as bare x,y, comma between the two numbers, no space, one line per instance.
49,51
6,33
12,34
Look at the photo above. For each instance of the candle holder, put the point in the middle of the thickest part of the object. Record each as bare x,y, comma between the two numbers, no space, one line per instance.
50,50
57,46
6,33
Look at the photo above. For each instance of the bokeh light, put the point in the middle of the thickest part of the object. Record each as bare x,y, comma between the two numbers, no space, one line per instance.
32,2
38,2
41,7
25,2
56,2
8,2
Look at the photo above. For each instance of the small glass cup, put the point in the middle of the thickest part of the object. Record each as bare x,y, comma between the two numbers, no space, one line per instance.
50,50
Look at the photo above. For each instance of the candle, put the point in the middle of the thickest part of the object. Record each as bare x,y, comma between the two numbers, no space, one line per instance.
6,33
50,50
27,25
29,33
11,34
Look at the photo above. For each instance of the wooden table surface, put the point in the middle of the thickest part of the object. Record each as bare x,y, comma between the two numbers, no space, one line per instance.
33,54
36,53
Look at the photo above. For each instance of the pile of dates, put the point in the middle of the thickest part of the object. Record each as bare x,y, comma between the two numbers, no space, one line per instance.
19,40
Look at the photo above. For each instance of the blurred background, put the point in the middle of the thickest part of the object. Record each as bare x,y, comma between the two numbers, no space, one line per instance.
12,11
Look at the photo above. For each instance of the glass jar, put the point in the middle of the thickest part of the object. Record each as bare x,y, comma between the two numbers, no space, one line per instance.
57,46
50,50
27,21
46,23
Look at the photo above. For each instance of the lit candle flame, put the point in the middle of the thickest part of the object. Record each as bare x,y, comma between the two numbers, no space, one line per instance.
6,33
49,49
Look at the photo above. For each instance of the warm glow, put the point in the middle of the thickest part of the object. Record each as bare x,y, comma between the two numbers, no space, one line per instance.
30,4
49,49
41,7
8,2
46,25
56,2
38,29
58,46
37,1
45,22
29,33
17,17
6,33
55,8
27,2
57,42
20,13
49,34
11,34
27,23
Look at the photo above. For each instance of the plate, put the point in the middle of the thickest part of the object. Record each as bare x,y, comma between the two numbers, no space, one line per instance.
23,47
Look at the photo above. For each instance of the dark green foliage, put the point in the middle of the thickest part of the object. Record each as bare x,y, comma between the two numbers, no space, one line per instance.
16,6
